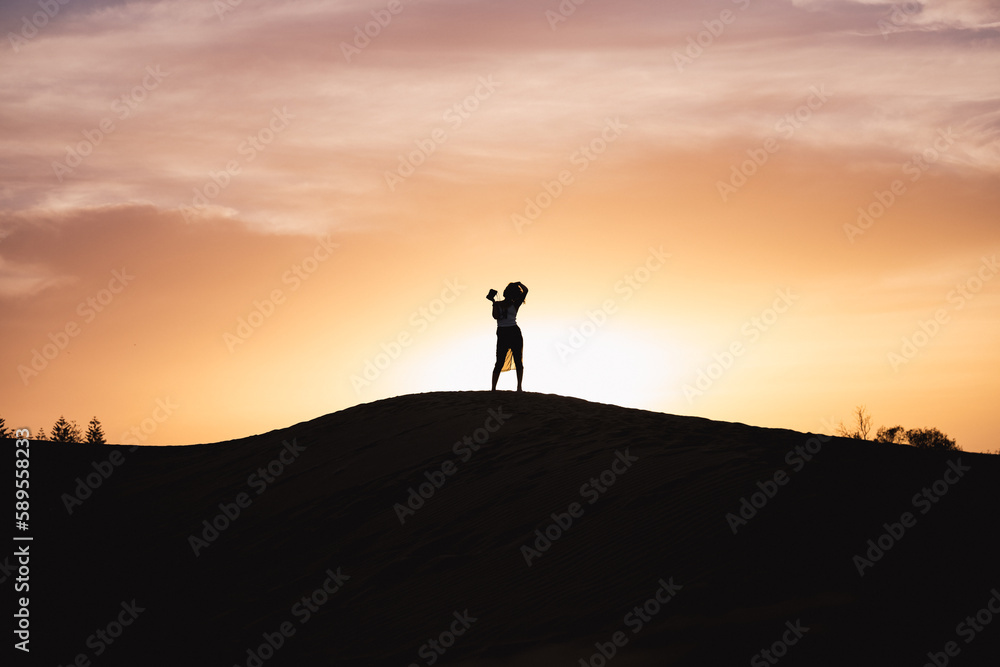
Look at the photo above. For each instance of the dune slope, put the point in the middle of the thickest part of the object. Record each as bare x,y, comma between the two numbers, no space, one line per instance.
641,550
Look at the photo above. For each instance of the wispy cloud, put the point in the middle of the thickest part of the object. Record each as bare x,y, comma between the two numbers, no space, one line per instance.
221,77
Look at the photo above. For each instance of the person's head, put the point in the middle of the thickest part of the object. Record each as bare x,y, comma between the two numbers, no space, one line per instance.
513,292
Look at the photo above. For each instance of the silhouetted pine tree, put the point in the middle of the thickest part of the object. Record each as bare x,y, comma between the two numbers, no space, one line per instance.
3,429
64,431
95,434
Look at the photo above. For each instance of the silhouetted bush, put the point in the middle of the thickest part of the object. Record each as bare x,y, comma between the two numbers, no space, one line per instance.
929,438
895,435
923,438
861,428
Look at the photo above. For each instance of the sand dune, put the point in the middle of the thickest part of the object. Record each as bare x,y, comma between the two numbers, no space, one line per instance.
333,560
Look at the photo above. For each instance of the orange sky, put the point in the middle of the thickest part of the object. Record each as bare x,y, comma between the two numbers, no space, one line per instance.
678,184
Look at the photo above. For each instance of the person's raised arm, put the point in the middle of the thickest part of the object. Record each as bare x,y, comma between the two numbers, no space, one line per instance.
524,291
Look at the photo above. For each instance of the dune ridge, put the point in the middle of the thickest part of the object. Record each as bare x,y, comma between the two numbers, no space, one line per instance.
632,504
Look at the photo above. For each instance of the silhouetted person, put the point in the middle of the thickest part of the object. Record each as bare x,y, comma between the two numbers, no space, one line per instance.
510,344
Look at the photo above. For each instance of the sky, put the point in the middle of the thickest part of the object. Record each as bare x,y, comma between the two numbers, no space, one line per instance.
222,218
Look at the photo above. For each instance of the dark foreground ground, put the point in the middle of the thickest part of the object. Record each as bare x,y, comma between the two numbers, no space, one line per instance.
319,569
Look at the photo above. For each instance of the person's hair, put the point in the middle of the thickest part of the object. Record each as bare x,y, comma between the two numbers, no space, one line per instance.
513,292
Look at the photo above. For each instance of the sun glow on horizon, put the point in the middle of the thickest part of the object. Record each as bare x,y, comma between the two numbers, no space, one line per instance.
608,364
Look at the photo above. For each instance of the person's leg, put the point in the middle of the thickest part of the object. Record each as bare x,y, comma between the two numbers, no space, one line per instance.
518,349
501,358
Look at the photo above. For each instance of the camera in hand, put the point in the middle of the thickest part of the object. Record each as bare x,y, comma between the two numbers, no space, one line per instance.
492,294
